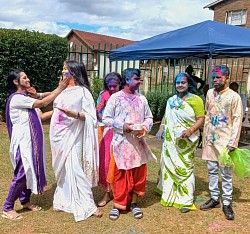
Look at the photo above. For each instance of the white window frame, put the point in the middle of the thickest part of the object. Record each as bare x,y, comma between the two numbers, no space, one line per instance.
236,17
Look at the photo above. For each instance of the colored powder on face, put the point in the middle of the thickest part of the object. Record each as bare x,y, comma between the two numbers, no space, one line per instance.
218,74
220,70
179,79
129,74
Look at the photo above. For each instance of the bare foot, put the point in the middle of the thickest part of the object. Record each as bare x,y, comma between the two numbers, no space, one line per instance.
30,207
105,200
97,213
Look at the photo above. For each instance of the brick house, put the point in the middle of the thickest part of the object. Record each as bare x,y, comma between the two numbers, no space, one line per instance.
234,12
92,49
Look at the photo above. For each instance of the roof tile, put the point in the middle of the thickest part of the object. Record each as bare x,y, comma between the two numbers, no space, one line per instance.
93,40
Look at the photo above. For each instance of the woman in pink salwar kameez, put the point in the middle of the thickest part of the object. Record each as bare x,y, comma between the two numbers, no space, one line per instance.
112,84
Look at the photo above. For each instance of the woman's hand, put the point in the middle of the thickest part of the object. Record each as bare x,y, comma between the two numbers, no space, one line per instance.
187,133
159,134
69,113
63,84
32,92
99,117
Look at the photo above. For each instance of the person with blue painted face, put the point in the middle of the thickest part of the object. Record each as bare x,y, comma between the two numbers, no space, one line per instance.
221,130
183,117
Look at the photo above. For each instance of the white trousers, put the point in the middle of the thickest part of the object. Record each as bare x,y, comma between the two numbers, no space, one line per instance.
227,182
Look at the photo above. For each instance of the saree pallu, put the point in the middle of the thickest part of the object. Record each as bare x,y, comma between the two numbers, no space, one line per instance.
176,179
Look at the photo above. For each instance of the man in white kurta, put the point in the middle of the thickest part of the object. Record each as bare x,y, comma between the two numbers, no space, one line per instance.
221,130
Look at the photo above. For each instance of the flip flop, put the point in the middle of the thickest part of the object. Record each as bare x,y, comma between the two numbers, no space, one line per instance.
32,208
114,214
12,215
136,210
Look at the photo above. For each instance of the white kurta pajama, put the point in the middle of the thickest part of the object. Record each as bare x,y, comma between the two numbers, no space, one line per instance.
74,147
21,138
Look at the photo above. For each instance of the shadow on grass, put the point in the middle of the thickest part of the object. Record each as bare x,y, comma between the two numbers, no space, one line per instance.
45,200
201,186
150,197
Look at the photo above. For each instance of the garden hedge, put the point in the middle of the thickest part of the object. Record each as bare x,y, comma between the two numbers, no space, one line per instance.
157,102
40,55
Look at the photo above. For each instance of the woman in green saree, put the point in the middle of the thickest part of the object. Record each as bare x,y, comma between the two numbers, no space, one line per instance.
183,117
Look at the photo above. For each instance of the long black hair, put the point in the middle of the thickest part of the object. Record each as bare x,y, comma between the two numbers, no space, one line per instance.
14,75
79,73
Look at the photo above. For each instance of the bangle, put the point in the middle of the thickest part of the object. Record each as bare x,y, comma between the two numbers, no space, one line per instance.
78,116
41,95
193,129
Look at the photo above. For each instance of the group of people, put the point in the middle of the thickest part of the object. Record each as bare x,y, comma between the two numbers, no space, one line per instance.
104,144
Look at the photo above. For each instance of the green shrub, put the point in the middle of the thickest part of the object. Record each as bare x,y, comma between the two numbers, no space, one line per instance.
40,55
157,102
96,86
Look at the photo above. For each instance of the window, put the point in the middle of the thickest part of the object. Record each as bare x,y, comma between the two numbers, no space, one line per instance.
238,17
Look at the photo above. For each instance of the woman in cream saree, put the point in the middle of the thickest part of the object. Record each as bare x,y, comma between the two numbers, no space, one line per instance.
74,146
183,117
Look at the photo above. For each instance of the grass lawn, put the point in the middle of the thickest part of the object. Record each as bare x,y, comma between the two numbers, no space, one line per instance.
157,219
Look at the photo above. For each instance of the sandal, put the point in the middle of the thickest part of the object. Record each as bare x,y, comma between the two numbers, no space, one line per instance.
184,210
31,207
136,210
12,215
105,200
97,213
114,214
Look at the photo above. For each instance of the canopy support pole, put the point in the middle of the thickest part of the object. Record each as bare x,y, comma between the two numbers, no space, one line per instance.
209,75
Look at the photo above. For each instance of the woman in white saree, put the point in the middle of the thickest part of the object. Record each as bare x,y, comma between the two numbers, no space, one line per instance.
74,145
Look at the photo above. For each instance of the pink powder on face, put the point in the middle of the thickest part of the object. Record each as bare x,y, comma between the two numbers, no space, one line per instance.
218,73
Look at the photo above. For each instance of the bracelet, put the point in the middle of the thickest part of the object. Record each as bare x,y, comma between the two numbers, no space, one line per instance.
41,95
78,116
193,129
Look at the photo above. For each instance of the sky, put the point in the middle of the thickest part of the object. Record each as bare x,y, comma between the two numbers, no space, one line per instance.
129,19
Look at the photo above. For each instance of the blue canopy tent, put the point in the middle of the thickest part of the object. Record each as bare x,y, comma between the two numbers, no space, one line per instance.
207,40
